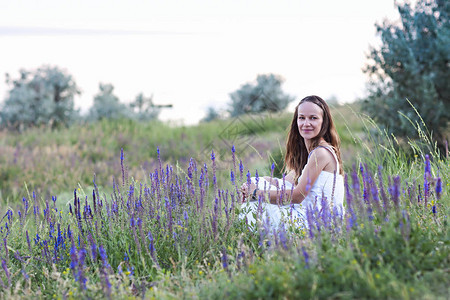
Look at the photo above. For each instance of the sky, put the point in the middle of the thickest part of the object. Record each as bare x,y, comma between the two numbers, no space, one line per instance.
193,53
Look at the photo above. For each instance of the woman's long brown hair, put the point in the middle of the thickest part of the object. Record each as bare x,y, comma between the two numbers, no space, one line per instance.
296,152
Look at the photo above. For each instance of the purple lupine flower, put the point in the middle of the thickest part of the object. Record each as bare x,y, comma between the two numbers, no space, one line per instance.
256,177
103,256
426,189
232,177
365,177
382,192
224,258
150,245
396,190
438,188
241,169
28,241
233,150
306,256
6,247
36,240
434,209
249,179
93,248
283,239
5,268
310,220
355,181
272,169
81,258
427,165
121,165
73,258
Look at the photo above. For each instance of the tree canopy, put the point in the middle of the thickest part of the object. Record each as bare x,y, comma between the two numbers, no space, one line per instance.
412,65
264,95
107,105
40,97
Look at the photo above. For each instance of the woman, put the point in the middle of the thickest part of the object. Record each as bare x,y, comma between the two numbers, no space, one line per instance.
314,171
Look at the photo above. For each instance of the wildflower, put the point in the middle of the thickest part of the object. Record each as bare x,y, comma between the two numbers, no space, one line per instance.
396,190
224,258
103,256
438,188
427,165
306,256
73,257
241,169
283,237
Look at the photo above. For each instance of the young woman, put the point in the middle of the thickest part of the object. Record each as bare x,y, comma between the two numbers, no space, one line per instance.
314,171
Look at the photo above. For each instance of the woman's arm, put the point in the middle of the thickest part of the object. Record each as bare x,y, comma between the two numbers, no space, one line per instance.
318,160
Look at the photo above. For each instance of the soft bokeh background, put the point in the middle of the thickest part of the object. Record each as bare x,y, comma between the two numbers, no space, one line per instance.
192,54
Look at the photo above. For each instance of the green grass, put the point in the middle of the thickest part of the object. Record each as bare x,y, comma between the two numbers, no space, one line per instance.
396,252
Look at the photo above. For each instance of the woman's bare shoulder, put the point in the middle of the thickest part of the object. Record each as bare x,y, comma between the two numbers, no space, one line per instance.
321,153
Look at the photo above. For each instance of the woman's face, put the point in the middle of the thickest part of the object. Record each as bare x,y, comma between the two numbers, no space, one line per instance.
309,120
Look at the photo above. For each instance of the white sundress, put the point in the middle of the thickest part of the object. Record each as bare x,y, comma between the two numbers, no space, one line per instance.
326,185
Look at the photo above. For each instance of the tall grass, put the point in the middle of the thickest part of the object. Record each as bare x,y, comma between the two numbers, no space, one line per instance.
173,231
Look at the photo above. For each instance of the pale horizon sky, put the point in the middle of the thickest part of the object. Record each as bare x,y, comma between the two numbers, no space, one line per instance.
193,53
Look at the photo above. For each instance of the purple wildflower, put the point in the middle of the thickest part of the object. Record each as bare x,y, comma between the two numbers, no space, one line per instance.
438,188
150,245
73,258
427,165
306,256
396,190
241,169
224,258
283,239
103,256
80,276
121,165
5,268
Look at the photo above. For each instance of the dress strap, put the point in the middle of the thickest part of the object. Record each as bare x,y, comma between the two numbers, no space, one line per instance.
332,152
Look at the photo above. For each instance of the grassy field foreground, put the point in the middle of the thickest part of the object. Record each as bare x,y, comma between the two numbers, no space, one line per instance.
170,229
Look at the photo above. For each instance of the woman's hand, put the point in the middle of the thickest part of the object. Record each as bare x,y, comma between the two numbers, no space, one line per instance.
247,190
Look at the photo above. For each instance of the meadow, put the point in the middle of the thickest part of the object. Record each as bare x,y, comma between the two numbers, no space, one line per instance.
124,210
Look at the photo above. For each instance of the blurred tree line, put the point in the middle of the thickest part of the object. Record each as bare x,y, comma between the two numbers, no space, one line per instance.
45,97
410,78
408,87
